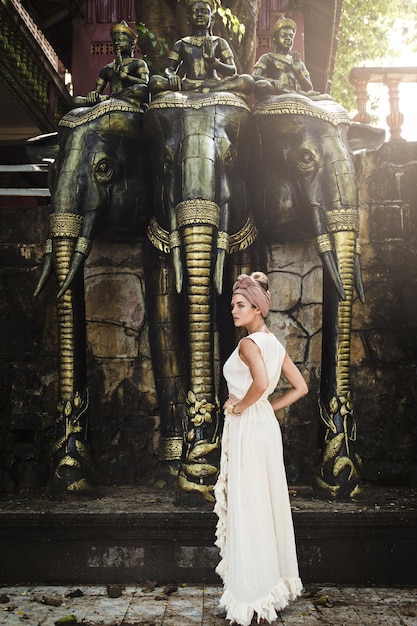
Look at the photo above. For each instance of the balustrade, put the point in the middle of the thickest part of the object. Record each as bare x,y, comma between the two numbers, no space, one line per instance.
391,77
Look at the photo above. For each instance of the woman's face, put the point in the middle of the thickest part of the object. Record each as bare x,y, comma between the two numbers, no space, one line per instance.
243,312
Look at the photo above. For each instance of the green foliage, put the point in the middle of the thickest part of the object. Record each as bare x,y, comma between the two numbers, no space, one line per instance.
147,40
231,22
364,40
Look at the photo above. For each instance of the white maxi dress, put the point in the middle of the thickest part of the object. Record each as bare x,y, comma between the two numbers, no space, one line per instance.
254,532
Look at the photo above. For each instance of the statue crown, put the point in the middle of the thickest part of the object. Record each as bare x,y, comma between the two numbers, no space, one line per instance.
212,4
123,27
283,22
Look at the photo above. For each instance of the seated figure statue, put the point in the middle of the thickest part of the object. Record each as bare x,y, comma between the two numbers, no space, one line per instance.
202,57
282,71
127,76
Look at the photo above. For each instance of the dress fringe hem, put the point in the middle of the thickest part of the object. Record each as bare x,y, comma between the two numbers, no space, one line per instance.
240,613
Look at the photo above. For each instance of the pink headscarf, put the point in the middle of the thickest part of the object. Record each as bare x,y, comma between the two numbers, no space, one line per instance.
254,292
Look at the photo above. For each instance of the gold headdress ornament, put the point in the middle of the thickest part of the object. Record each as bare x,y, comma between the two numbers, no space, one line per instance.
282,22
213,4
122,27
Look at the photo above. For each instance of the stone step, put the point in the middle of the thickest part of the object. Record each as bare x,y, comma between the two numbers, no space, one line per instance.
134,534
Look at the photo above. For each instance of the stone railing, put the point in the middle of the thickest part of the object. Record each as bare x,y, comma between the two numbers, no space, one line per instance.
391,77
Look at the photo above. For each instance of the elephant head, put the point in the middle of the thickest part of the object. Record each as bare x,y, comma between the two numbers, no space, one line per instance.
306,186
199,153
96,179
97,182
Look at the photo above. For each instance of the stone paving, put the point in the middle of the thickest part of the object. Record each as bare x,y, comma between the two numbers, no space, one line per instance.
153,605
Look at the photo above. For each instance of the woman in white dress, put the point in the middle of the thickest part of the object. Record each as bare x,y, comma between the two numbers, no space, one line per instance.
254,531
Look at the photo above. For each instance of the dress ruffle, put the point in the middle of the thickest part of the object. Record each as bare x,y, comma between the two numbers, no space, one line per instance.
220,507
267,608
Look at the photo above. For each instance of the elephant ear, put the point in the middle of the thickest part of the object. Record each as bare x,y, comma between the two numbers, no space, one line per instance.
365,137
42,148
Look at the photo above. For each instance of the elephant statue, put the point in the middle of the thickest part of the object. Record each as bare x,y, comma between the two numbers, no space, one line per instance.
199,149
97,181
305,185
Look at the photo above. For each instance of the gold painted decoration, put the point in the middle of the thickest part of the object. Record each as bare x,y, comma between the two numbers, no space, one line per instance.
67,461
83,245
326,110
338,456
72,120
342,219
199,410
170,448
199,470
178,99
174,239
201,449
158,236
244,237
80,485
65,224
191,486
324,243
197,211
165,241
222,240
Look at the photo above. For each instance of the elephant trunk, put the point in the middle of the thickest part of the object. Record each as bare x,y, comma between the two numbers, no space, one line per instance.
71,464
198,243
340,465
199,468
345,248
63,252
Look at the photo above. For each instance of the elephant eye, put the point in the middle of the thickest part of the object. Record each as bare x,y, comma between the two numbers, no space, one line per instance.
104,171
229,156
306,161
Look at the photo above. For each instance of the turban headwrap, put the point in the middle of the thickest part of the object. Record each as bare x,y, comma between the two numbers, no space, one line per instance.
254,292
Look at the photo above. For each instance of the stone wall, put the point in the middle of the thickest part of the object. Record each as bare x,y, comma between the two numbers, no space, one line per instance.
123,404
384,341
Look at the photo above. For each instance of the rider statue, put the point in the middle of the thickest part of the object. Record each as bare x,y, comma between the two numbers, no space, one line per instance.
282,71
126,76
206,61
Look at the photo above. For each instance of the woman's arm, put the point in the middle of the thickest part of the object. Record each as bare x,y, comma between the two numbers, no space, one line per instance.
250,354
298,385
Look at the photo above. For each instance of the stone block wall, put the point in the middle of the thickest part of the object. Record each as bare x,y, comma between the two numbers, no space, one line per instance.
124,423
384,340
